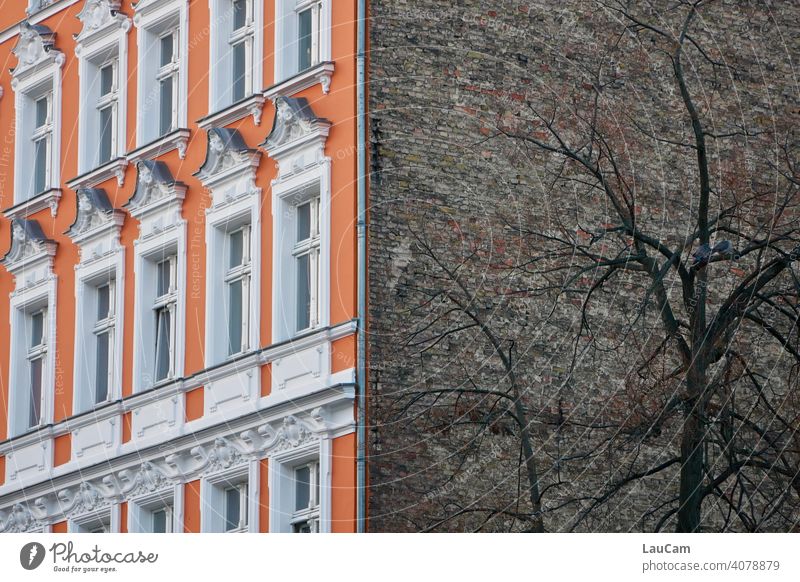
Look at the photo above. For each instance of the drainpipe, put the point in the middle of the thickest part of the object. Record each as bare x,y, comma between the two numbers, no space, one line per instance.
361,370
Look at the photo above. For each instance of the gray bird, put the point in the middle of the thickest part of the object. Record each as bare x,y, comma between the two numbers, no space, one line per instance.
702,255
724,248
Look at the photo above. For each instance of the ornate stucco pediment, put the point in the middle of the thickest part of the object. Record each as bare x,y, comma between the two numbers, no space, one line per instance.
19,519
35,45
291,434
155,187
83,499
99,16
227,155
147,479
95,217
295,126
28,243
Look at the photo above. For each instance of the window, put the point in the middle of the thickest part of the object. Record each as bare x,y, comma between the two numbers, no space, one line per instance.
103,332
162,69
167,78
42,137
302,37
309,21
241,46
236,508
36,329
161,520
164,309
107,112
237,282
306,255
305,515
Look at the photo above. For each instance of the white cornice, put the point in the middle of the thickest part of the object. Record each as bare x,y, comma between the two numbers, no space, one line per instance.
251,106
48,199
320,74
177,140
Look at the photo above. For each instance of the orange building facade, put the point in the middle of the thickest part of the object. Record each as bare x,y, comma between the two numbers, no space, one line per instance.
178,287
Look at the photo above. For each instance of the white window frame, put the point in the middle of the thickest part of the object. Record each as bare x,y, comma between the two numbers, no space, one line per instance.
223,37
141,509
102,260
282,466
287,36
155,19
108,271
23,305
102,41
147,258
108,518
219,226
166,303
162,233
287,196
212,494
46,81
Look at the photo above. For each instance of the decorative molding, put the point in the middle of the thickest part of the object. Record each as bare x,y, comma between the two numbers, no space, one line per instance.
95,216
147,479
253,105
82,499
19,519
155,188
100,18
320,74
28,244
177,140
35,45
221,455
113,169
47,199
227,157
292,434
295,126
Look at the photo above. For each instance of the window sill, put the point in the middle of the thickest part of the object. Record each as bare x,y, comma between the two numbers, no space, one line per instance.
47,199
249,106
320,73
177,140
113,169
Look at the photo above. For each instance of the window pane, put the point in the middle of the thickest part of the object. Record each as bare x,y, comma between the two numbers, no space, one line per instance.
304,221
36,392
160,521
41,111
302,527
302,488
236,251
164,275
106,80
239,14
303,292
232,508
238,71
166,49
165,106
37,329
101,376
106,133
163,340
103,302
40,166
235,317
304,39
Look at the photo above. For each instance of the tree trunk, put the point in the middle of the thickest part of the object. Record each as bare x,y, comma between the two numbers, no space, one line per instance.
690,498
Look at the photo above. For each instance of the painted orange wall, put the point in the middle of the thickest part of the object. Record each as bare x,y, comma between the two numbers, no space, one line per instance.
62,450
194,404
60,527
343,485
191,507
263,500
123,517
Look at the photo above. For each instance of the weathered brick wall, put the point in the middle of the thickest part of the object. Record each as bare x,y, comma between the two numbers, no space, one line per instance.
448,193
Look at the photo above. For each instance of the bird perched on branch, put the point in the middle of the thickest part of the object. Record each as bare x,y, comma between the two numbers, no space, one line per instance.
704,252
